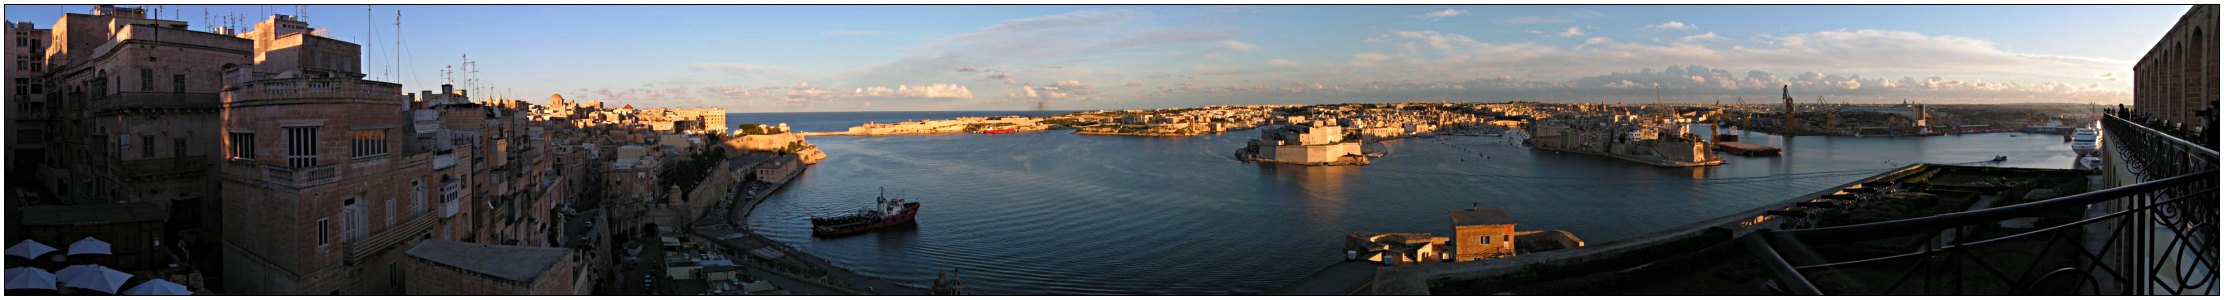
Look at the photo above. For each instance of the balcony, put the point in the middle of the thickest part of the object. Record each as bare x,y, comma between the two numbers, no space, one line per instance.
300,178
2153,233
451,199
294,89
358,250
443,161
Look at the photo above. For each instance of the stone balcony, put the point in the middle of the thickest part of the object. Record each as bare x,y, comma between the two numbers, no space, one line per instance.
310,90
300,178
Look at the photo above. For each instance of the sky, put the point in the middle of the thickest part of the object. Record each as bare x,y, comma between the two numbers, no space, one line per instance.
1056,57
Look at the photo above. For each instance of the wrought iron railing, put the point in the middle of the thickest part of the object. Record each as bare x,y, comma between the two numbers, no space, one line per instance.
2154,237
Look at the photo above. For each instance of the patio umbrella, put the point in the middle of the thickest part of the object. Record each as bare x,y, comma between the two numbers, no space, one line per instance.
159,287
30,279
89,245
29,249
74,270
98,278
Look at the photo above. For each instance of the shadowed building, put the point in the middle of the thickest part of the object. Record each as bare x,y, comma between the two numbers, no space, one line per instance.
2177,78
322,177
438,267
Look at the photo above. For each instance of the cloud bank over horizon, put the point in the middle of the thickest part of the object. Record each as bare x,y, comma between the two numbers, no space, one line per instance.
1145,58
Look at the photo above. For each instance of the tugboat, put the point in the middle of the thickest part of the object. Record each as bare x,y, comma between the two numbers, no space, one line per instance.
885,213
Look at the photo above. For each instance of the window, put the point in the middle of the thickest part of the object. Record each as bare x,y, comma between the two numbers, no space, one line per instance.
416,199
389,213
355,221
1486,240
177,83
243,145
368,143
324,229
146,79
301,147
147,149
394,275
22,86
177,146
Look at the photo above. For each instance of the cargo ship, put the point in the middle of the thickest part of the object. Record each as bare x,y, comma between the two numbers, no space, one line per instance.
1729,143
885,213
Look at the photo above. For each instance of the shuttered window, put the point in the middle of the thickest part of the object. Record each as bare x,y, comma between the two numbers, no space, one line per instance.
301,147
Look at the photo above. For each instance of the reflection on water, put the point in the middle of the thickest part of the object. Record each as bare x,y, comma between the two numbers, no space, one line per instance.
1321,188
1058,213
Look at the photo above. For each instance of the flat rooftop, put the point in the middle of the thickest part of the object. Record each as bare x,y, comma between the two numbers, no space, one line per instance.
1480,216
514,263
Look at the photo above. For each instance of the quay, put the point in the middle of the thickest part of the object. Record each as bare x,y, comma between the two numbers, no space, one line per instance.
724,230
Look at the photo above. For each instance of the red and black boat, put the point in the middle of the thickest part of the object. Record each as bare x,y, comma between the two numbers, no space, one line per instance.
885,213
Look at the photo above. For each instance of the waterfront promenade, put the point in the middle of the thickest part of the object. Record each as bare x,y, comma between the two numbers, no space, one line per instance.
784,266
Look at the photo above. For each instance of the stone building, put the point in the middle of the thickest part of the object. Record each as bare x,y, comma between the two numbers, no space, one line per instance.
437,267
2177,77
1481,233
130,112
134,108
324,174
1394,248
26,98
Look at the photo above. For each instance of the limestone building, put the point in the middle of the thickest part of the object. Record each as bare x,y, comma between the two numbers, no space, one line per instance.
1481,233
26,98
323,176
2177,77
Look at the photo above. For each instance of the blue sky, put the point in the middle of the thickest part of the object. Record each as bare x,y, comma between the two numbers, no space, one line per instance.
846,58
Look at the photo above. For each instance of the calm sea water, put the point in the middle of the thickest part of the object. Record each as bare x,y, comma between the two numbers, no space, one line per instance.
1057,213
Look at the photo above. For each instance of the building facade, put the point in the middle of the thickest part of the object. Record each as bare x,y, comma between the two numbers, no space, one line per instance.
2177,77
322,169
1481,233
27,113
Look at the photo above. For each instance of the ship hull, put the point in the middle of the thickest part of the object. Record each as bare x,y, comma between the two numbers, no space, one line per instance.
856,225
1747,149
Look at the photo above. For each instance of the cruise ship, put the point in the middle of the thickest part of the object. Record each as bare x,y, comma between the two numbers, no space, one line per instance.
2085,141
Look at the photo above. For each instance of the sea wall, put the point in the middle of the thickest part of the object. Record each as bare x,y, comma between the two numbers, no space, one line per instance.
1418,279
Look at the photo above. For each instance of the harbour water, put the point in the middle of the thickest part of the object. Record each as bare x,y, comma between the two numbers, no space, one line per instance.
1057,213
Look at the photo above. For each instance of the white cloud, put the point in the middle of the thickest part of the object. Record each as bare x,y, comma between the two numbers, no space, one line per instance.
930,91
1061,90
1231,46
1571,16
736,69
1441,14
1282,63
1671,25
1704,37
1572,31
1596,40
